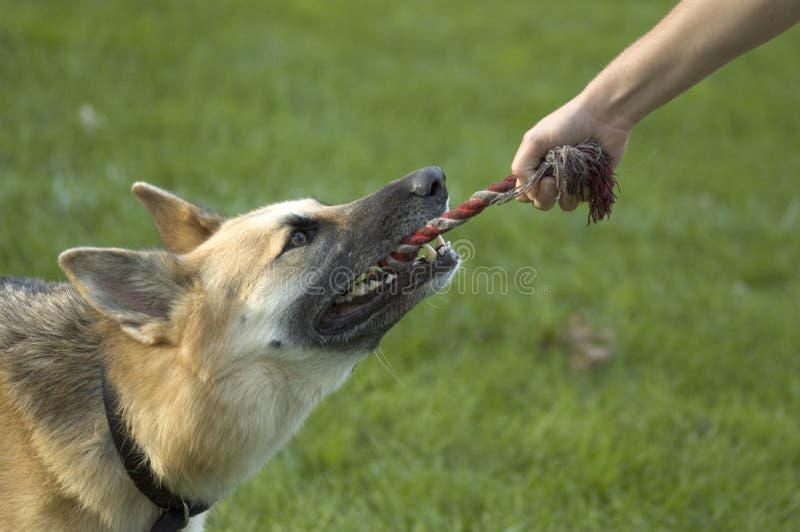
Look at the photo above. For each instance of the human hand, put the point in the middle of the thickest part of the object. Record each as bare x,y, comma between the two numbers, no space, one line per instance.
570,124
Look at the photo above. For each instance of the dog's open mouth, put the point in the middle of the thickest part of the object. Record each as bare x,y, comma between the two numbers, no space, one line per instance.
379,286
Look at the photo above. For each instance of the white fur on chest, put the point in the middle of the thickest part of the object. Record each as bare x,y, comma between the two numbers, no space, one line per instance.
197,523
264,405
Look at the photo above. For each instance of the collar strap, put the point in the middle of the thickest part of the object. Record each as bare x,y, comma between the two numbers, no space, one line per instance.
176,510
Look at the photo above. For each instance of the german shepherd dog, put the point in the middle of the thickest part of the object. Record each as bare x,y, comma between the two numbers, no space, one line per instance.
214,350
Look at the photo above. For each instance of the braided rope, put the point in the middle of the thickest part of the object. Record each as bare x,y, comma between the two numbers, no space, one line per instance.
583,170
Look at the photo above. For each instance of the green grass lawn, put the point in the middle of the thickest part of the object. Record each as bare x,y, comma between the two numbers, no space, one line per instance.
694,421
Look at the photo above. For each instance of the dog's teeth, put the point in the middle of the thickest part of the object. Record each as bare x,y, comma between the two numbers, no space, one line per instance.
360,289
373,285
389,278
430,253
438,242
339,299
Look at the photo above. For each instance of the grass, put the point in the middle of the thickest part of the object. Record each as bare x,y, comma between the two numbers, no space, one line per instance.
693,423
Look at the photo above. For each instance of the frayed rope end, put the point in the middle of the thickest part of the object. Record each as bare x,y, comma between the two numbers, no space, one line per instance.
583,170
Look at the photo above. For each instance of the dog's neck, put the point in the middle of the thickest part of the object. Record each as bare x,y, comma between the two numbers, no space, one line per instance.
204,430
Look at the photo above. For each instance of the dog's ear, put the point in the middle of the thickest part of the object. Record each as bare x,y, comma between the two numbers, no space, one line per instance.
138,289
182,225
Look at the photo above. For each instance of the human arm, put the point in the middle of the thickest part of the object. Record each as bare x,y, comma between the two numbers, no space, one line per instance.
696,38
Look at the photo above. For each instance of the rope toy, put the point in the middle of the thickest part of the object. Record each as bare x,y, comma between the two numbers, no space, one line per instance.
581,170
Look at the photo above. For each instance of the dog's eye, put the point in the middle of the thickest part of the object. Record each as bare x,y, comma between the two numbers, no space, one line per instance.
301,232
298,238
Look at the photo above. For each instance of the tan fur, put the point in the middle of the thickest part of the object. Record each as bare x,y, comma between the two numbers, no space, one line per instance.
181,225
193,340
25,487
193,409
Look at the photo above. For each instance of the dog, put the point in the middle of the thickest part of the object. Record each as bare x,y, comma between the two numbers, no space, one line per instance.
177,373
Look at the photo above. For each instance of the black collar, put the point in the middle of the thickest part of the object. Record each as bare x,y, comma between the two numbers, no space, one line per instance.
177,510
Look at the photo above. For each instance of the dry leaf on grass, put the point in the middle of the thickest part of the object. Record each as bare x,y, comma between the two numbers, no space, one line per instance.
588,346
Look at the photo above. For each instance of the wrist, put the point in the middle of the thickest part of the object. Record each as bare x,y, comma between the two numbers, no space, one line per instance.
610,104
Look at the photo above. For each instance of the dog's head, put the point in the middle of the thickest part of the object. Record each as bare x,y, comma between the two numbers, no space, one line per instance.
292,277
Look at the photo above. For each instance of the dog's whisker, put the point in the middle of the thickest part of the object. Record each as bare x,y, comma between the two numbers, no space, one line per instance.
431,303
384,361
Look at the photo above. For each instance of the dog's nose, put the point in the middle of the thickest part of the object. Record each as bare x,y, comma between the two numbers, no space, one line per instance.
428,182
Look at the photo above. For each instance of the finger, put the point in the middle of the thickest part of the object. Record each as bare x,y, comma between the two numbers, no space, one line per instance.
568,202
526,160
545,193
522,198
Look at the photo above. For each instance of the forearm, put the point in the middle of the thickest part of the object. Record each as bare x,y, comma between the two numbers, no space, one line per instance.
694,40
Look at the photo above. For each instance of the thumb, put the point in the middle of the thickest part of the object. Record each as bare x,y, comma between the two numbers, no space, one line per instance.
526,160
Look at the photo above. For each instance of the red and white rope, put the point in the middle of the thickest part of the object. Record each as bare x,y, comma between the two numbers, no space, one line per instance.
579,170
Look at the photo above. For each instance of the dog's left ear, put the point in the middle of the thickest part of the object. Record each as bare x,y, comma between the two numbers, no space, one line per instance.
137,289
182,225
